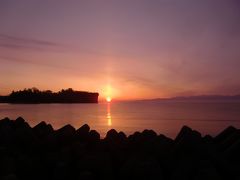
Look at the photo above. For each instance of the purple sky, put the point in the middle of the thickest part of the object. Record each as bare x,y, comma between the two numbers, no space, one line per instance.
127,49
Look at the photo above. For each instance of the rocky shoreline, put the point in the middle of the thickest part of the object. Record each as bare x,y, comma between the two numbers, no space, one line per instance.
41,152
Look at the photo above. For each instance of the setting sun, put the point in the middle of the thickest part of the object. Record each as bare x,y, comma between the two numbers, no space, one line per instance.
109,99
108,92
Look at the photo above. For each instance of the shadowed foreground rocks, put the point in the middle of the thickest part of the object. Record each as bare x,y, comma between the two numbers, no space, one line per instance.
41,152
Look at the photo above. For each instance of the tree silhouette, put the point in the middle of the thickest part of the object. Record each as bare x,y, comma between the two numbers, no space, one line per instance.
34,95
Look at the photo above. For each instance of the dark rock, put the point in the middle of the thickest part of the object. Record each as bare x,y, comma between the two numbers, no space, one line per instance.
149,134
83,129
86,175
115,141
122,136
80,154
19,121
66,133
4,120
184,169
78,149
207,171
208,139
232,153
7,165
229,140
98,164
188,144
135,141
94,136
7,133
141,168
60,171
187,137
83,132
166,140
146,135
134,137
164,144
42,129
185,130
24,133
225,134
10,177
24,165
112,135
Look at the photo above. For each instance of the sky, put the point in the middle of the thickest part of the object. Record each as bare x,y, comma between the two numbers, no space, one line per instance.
128,49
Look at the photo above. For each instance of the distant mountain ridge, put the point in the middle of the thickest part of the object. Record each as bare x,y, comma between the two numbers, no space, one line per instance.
207,97
199,98
33,96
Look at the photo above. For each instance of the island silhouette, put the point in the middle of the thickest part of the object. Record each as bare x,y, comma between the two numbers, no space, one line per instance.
34,95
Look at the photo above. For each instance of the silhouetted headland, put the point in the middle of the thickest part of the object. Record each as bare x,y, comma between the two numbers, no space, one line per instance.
41,152
34,95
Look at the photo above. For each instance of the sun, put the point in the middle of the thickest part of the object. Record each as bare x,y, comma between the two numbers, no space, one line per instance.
108,99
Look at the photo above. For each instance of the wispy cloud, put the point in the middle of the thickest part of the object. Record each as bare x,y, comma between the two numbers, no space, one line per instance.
74,71
22,43
24,60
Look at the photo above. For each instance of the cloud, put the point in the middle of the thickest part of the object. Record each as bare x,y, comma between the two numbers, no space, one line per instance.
31,44
21,43
70,71
19,60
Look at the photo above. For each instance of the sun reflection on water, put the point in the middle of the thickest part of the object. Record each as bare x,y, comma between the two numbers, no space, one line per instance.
109,117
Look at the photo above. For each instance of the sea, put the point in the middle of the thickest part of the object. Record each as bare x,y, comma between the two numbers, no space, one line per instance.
163,117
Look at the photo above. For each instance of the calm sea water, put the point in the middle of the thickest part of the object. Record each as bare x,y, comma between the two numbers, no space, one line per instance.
163,117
